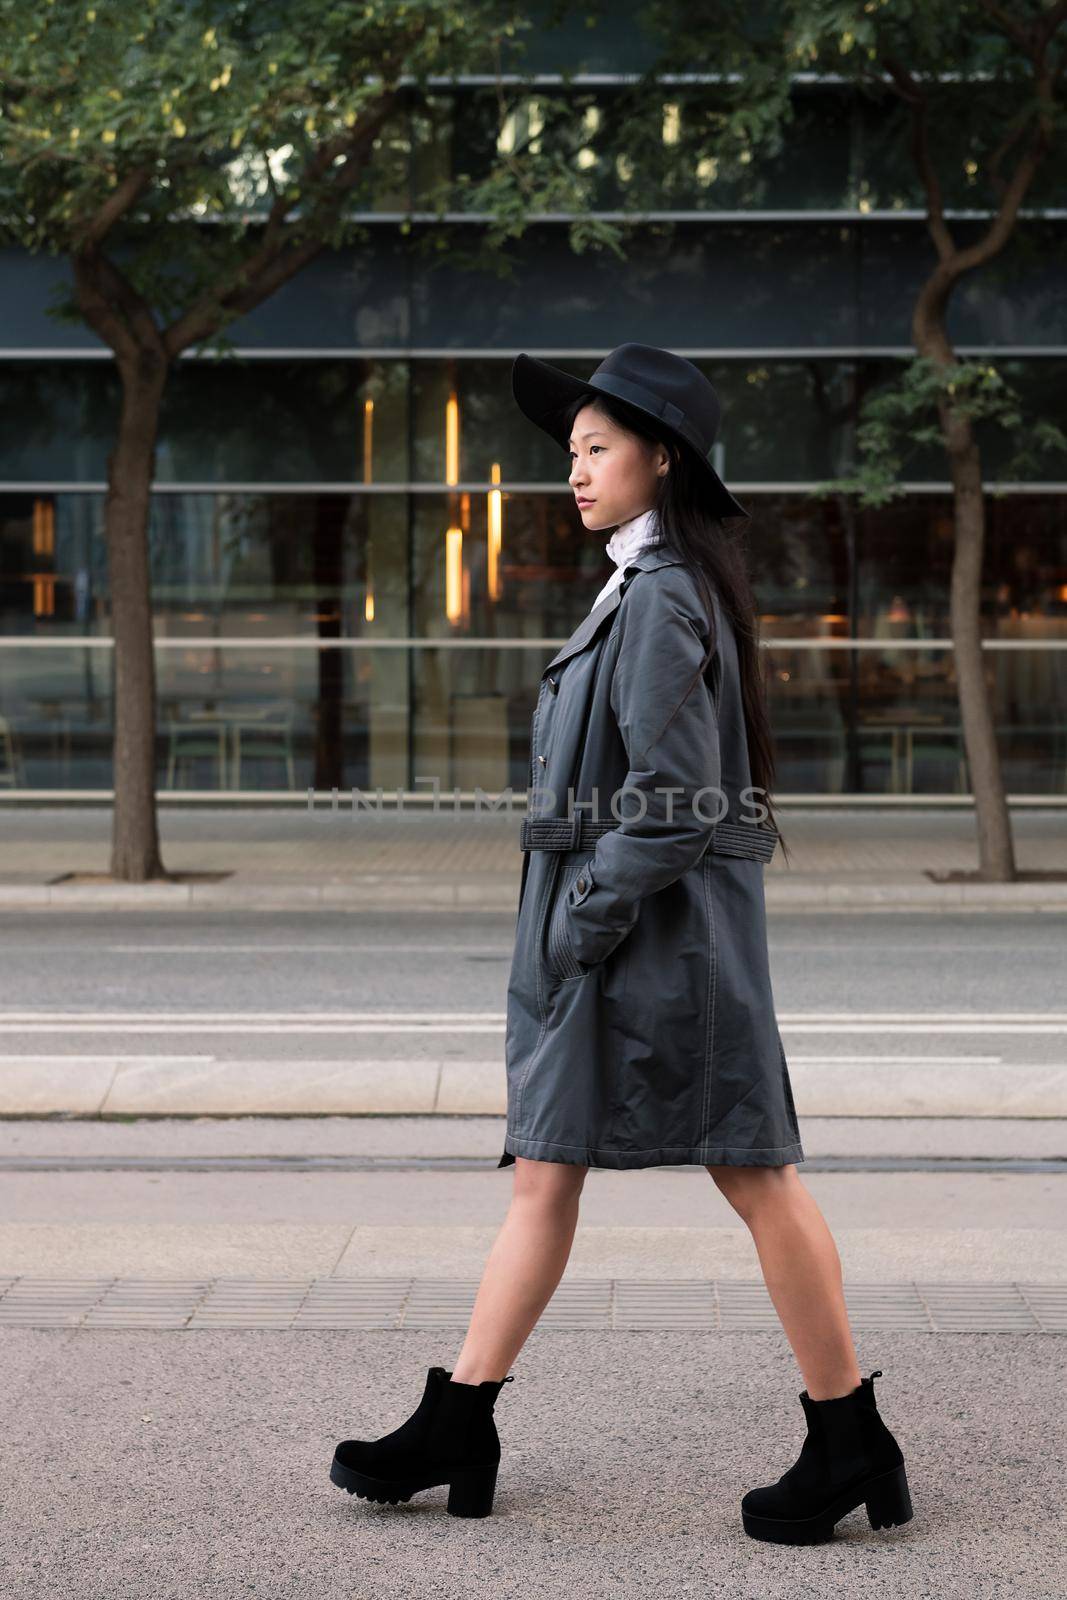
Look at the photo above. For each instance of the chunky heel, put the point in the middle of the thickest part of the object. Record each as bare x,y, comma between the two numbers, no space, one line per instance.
888,1501
451,1438
470,1493
849,1458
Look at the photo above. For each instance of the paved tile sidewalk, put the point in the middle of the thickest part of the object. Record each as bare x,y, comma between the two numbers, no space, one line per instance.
708,1305
275,855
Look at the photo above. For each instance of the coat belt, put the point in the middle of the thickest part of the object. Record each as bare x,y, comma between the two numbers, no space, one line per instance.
581,833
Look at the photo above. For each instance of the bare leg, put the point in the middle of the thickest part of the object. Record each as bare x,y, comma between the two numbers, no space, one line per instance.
802,1271
523,1268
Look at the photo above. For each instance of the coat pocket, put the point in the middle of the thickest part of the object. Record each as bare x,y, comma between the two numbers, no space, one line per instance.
561,960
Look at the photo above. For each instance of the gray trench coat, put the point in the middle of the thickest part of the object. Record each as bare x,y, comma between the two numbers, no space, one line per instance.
640,1019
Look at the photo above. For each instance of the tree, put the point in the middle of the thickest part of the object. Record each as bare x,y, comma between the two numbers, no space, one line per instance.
190,158
1014,56
981,89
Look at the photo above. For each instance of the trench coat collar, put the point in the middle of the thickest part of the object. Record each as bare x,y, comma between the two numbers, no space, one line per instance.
590,625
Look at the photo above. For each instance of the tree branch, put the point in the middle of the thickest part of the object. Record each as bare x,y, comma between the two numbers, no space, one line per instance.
126,192
1052,23
273,262
271,185
910,91
953,265
999,230
1000,152
113,308
1011,25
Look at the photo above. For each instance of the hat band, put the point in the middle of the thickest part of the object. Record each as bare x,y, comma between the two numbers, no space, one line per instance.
672,415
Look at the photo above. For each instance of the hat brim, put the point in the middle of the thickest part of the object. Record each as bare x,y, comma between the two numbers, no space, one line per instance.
543,392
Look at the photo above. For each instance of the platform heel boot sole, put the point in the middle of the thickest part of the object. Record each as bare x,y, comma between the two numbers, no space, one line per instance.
887,1500
470,1489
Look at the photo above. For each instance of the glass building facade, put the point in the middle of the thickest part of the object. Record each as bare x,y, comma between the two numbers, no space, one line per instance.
363,554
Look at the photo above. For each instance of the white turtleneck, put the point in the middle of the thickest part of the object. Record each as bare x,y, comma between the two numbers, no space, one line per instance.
628,538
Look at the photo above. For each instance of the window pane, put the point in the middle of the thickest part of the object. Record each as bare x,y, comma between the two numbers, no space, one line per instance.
373,639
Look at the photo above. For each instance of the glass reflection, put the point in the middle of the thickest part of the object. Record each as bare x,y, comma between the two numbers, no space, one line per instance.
311,639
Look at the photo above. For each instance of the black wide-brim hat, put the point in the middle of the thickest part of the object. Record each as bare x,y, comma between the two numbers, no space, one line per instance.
655,381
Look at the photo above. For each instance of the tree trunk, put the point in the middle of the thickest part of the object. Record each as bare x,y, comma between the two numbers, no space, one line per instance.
996,858
135,855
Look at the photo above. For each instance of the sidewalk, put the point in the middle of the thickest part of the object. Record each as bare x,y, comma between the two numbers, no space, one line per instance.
943,1224
969,1202
174,1464
289,857
199,1340
181,1349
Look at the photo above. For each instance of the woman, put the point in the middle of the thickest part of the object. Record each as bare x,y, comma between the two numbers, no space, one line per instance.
640,1023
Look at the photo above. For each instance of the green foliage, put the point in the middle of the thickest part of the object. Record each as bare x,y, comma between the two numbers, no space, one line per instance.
196,92
174,128
210,116
972,61
906,415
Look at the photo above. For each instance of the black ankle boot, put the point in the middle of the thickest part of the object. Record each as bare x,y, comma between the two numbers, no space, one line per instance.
449,1438
849,1456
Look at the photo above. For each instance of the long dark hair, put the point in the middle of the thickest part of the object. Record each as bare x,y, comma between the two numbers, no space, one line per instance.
715,556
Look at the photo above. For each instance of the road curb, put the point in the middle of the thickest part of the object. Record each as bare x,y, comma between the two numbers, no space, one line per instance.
112,1085
395,893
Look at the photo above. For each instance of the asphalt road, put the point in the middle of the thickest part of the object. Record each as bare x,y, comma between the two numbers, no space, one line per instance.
279,961
881,1015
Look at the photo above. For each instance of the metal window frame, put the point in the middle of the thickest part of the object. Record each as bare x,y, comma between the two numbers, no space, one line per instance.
12,641
798,353
752,489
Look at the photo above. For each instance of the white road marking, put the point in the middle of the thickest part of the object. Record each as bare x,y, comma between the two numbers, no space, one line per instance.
427,1022
899,1061
39,1060
295,948
924,1027
248,1028
417,1017
500,952
792,1018
795,1059
922,1016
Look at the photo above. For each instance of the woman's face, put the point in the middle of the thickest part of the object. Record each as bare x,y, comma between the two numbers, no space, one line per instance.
614,473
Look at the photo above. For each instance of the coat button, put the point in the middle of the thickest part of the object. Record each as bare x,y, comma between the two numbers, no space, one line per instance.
580,885
543,760
553,685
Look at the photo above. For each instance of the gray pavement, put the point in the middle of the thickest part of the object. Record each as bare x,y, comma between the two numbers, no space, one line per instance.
274,855
432,1142
160,1464
900,1211
180,1351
